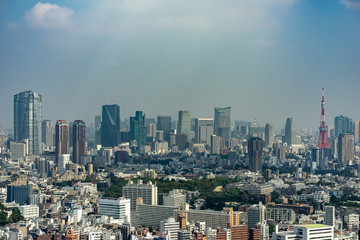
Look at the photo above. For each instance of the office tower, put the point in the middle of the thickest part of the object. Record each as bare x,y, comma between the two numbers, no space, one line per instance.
255,149
97,130
323,139
204,128
47,132
170,228
342,124
330,215
117,208
317,156
17,151
345,148
19,193
215,144
222,123
164,124
290,131
184,124
126,230
138,128
61,138
79,143
356,130
27,120
148,192
151,130
269,135
256,214
63,159
110,125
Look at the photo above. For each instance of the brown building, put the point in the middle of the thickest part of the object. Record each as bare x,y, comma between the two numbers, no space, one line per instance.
239,232
255,234
48,236
70,235
220,235
78,141
61,139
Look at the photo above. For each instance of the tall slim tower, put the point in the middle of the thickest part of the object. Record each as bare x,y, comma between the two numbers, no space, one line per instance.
79,143
323,139
290,131
184,125
27,120
138,128
269,135
110,125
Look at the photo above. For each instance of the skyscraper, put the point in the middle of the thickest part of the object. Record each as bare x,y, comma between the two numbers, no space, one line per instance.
79,144
222,124
345,148
138,128
47,132
330,215
256,214
61,139
255,149
184,123
342,124
290,131
204,128
269,135
164,124
97,130
27,119
110,125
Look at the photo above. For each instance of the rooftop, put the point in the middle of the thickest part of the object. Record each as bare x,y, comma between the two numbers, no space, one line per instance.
314,225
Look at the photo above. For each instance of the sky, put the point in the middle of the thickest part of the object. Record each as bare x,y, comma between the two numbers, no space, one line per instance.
265,58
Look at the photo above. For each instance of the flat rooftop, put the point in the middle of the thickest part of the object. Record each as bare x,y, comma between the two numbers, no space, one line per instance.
314,225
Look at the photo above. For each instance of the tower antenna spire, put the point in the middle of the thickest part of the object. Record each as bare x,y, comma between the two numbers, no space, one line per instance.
323,139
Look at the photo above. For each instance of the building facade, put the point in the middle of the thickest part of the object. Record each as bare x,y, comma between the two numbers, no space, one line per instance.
79,142
110,125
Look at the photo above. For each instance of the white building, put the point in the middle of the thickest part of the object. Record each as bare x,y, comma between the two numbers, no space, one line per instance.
306,232
95,235
320,196
63,160
116,208
170,228
175,198
148,192
29,211
352,221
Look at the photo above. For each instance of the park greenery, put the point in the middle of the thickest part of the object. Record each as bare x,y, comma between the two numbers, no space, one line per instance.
214,200
14,217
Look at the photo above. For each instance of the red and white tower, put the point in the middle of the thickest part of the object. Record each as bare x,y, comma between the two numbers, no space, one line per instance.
323,139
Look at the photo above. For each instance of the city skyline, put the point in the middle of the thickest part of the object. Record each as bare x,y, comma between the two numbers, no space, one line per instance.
160,58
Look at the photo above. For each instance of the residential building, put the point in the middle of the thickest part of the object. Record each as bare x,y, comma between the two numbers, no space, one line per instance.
117,208
148,192
61,139
79,142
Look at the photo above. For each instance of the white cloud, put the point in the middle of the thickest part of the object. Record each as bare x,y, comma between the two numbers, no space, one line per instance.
351,4
47,15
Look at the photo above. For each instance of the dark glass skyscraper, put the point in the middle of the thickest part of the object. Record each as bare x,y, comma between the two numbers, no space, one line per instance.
79,143
110,125
138,128
343,124
222,123
27,119
164,124
255,146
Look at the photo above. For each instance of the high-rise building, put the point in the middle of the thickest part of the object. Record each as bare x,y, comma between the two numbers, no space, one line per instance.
164,124
204,128
255,149
19,193
125,230
290,131
61,139
269,135
170,228
330,215
256,214
47,132
138,128
342,124
27,120
148,192
79,143
345,148
356,131
184,123
116,208
215,144
151,130
239,232
97,130
222,123
110,125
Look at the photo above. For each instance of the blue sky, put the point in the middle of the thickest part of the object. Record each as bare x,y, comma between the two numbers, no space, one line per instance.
264,58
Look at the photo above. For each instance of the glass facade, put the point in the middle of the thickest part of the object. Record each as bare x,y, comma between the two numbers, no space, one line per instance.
28,120
184,123
138,128
110,125
222,123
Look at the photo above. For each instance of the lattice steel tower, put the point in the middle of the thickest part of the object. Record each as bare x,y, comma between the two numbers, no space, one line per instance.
323,139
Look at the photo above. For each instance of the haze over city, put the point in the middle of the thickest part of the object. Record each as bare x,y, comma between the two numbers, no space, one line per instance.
263,58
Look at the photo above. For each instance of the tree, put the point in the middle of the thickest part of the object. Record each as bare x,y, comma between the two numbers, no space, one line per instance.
16,216
271,228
